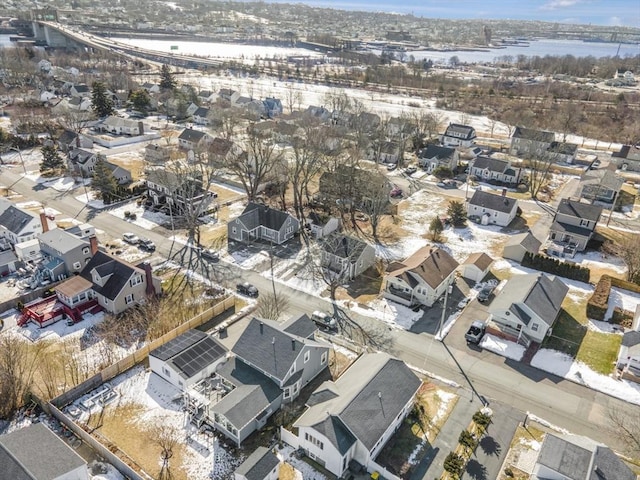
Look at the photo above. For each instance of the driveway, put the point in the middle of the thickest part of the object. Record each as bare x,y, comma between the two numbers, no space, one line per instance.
473,311
430,320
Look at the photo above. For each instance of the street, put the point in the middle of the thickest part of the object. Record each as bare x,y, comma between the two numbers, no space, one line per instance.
563,403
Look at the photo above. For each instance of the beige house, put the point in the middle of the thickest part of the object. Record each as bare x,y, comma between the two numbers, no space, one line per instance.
477,266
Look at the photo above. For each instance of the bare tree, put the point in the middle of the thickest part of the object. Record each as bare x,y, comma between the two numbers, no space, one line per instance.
624,423
292,97
165,436
627,249
76,121
272,305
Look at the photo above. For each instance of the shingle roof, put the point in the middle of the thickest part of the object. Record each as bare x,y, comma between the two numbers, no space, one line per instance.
119,271
371,394
254,392
15,219
563,147
491,164
256,214
343,246
568,228
61,240
480,260
531,134
301,326
601,178
8,257
468,132
435,151
36,453
67,137
201,112
191,135
433,265
580,210
526,240
541,293
494,202
74,286
258,465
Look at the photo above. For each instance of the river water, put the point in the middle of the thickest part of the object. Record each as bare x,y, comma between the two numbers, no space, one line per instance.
541,48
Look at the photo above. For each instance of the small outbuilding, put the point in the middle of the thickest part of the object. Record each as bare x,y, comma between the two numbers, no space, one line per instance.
262,464
518,245
477,266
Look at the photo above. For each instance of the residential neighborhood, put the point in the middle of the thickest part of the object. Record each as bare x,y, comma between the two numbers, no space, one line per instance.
365,252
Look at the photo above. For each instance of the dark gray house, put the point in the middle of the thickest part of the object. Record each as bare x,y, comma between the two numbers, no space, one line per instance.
527,141
572,227
183,193
346,255
493,169
36,453
492,209
259,222
435,156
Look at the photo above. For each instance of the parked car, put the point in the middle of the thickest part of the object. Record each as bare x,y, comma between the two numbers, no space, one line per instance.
395,192
324,320
392,166
463,303
475,332
130,238
486,292
411,170
247,289
210,254
146,244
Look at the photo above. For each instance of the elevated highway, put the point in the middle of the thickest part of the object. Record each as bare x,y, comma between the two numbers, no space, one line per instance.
58,35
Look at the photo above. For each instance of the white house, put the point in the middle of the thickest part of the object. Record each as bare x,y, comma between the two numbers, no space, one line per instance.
18,225
629,353
476,266
491,209
346,255
492,169
320,227
457,135
527,307
421,279
353,417
172,362
435,156
121,126
572,227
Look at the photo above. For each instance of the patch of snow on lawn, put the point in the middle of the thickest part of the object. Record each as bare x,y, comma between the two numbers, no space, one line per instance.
344,351
502,347
448,324
110,471
462,242
603,327
287,454
90,199
144,218
247,260
394,314
622,298
598,260
445,399
60,329
565,366
63,184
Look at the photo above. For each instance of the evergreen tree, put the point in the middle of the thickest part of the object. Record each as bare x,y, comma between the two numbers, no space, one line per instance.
104,182
51,159
167,81
140,100
436,228
457,213
101,103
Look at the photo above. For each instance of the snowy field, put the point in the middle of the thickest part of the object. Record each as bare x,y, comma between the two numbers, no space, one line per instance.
622,298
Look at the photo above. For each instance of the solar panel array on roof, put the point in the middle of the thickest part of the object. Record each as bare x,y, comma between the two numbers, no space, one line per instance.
197,357
177,345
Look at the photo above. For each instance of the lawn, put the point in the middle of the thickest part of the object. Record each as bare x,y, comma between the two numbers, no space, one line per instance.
600,351
523,443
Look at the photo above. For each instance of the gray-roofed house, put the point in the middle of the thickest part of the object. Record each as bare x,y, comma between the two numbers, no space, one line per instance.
321,227
64,253
69,140
527,141
457,135
629,353
518,245
36,453
572,227
494,169
628,158
259,222
157,153
272,107
563,152
421,279
476,266
201,116
191,139
527,307
435,156
110,282
262,464
18,225
121,126
353,417
187,359
571,457
301,326
181,192
600,186
80,90
346,255
8,262
491,209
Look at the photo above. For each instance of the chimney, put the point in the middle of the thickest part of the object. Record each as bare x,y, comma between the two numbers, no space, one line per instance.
504,192
44,222
150,290
293,344
140,128
93,243
261,328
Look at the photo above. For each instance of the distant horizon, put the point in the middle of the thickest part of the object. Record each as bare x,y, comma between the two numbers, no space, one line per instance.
614,13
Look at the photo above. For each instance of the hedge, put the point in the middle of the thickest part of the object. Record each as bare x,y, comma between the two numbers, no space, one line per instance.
556,267
622,317
625,285
599,301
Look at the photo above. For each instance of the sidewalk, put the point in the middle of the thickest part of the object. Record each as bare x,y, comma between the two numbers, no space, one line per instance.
431,465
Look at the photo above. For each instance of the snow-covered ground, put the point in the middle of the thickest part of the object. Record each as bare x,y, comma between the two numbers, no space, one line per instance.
622,298
502,347
445,399
394,314
303,471
90,199
565,366
144,218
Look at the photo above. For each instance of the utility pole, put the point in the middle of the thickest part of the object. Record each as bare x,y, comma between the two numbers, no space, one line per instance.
444,310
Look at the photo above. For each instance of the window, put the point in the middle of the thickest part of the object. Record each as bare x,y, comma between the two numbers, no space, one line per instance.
323,359
128,299
135,280
314,441
287,393
307,354
85,251
166,371
77,265
534,327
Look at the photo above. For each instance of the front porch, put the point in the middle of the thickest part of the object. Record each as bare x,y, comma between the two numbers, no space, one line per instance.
507,332
400,296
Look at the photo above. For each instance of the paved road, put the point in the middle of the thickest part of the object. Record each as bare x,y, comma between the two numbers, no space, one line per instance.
525,388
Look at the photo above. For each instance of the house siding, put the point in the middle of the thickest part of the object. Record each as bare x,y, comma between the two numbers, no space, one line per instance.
328,456
495,217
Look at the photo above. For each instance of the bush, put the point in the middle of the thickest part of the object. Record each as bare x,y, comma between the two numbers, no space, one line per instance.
556,267
467,439
454,463
622,317
481,419
599,300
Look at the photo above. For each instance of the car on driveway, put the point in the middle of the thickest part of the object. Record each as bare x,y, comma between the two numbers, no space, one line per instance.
486,292
146,244
463,303
209,254
247,290
475,332
130,238
411,170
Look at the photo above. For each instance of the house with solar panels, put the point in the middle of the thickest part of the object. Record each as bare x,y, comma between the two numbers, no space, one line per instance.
236,392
